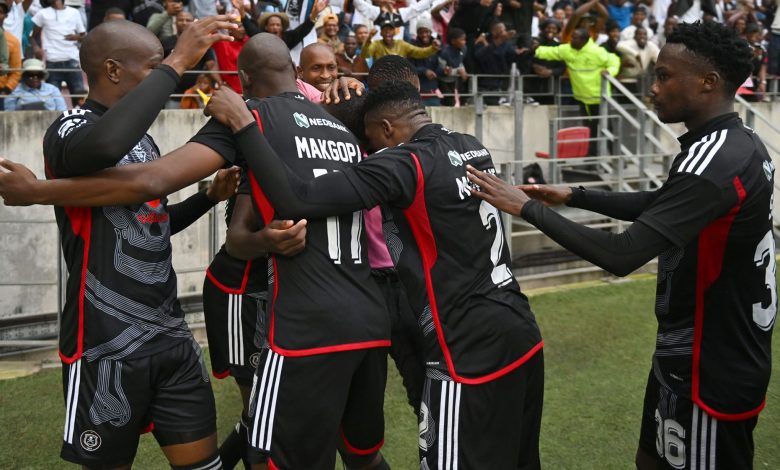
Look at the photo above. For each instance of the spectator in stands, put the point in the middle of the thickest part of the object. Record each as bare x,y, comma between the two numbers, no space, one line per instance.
638,20
454,75
669,24
227,52
620,12
474,17
591,16
114,14
9,80
163,24
550,29
517,15
773,66
207,63
279,24
58,31
32,92
636,57
613,37
690,11
330,34
760,61
14,12
387,11
192,98
99,11
428,69
203,8
390,46
144,9
297,11
494,55
78,5
349,61
318,66
361,34
586,63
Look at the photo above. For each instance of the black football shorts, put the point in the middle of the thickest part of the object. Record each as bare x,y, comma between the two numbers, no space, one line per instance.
108,404
680,435
491,425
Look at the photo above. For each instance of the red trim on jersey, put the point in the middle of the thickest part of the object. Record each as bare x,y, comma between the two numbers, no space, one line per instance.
355,451
380,343
272,465
259,121
712,248
228,290
220,375
80,219
148,428
417,217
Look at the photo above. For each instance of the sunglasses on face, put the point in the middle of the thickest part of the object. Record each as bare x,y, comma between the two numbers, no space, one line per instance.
39,76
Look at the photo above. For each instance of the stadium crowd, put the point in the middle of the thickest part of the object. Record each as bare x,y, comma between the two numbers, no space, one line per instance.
448,41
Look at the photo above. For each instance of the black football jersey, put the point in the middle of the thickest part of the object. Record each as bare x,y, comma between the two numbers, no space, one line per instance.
121,298
716,296
323,299
451,254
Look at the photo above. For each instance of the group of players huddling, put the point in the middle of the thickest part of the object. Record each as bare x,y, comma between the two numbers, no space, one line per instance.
302,301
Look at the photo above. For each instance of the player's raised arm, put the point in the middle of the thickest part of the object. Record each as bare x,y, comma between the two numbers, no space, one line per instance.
619,205
124,185
293,198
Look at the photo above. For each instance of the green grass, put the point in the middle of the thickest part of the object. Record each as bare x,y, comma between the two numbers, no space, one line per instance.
598,345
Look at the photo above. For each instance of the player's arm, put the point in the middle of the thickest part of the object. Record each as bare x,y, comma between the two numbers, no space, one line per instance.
674,218
185,213
125,185
102,145
372,181
618,205
245,241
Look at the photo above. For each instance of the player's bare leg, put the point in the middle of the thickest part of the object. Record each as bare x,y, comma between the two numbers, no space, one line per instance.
185,455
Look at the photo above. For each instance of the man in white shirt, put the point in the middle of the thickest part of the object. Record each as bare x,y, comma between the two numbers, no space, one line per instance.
638,20
636,55
57,33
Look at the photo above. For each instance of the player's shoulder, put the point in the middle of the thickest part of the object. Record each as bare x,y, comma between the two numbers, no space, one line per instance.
69,121
721,152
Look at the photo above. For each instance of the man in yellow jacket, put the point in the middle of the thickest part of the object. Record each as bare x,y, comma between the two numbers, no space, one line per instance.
586,62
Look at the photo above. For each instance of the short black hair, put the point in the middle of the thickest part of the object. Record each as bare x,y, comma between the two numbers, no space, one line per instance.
389,68
454,33
720,47
350,113
398,96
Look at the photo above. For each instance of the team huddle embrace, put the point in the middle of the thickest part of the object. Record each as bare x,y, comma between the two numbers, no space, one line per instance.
359,229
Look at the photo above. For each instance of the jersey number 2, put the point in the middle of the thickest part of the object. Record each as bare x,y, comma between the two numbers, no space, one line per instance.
764,257
334,238
490,216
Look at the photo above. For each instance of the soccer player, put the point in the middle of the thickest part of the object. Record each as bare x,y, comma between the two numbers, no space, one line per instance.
710,225
322,378
482,399
129,359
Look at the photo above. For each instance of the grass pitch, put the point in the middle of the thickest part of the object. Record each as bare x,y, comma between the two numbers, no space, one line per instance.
598,346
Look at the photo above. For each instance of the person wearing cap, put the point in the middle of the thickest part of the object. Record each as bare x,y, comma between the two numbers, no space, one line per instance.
388,45
428,69
58,31
33,92
330,34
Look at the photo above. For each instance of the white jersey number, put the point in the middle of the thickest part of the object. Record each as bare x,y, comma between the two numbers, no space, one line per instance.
764,317
669,441
490,216
334,239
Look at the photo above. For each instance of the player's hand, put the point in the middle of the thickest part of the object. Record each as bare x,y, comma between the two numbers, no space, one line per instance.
284,237
225,184
17,184
500,194
229,108
549,195
331,94
196,40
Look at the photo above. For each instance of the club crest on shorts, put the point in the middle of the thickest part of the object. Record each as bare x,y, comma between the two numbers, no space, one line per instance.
455,158
301,120
254,359
90,440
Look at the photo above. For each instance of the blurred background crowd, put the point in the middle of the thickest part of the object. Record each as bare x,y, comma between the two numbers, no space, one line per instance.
456,46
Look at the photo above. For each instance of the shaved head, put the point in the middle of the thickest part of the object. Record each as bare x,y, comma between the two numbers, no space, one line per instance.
122,41
315,49
318,66
265,54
